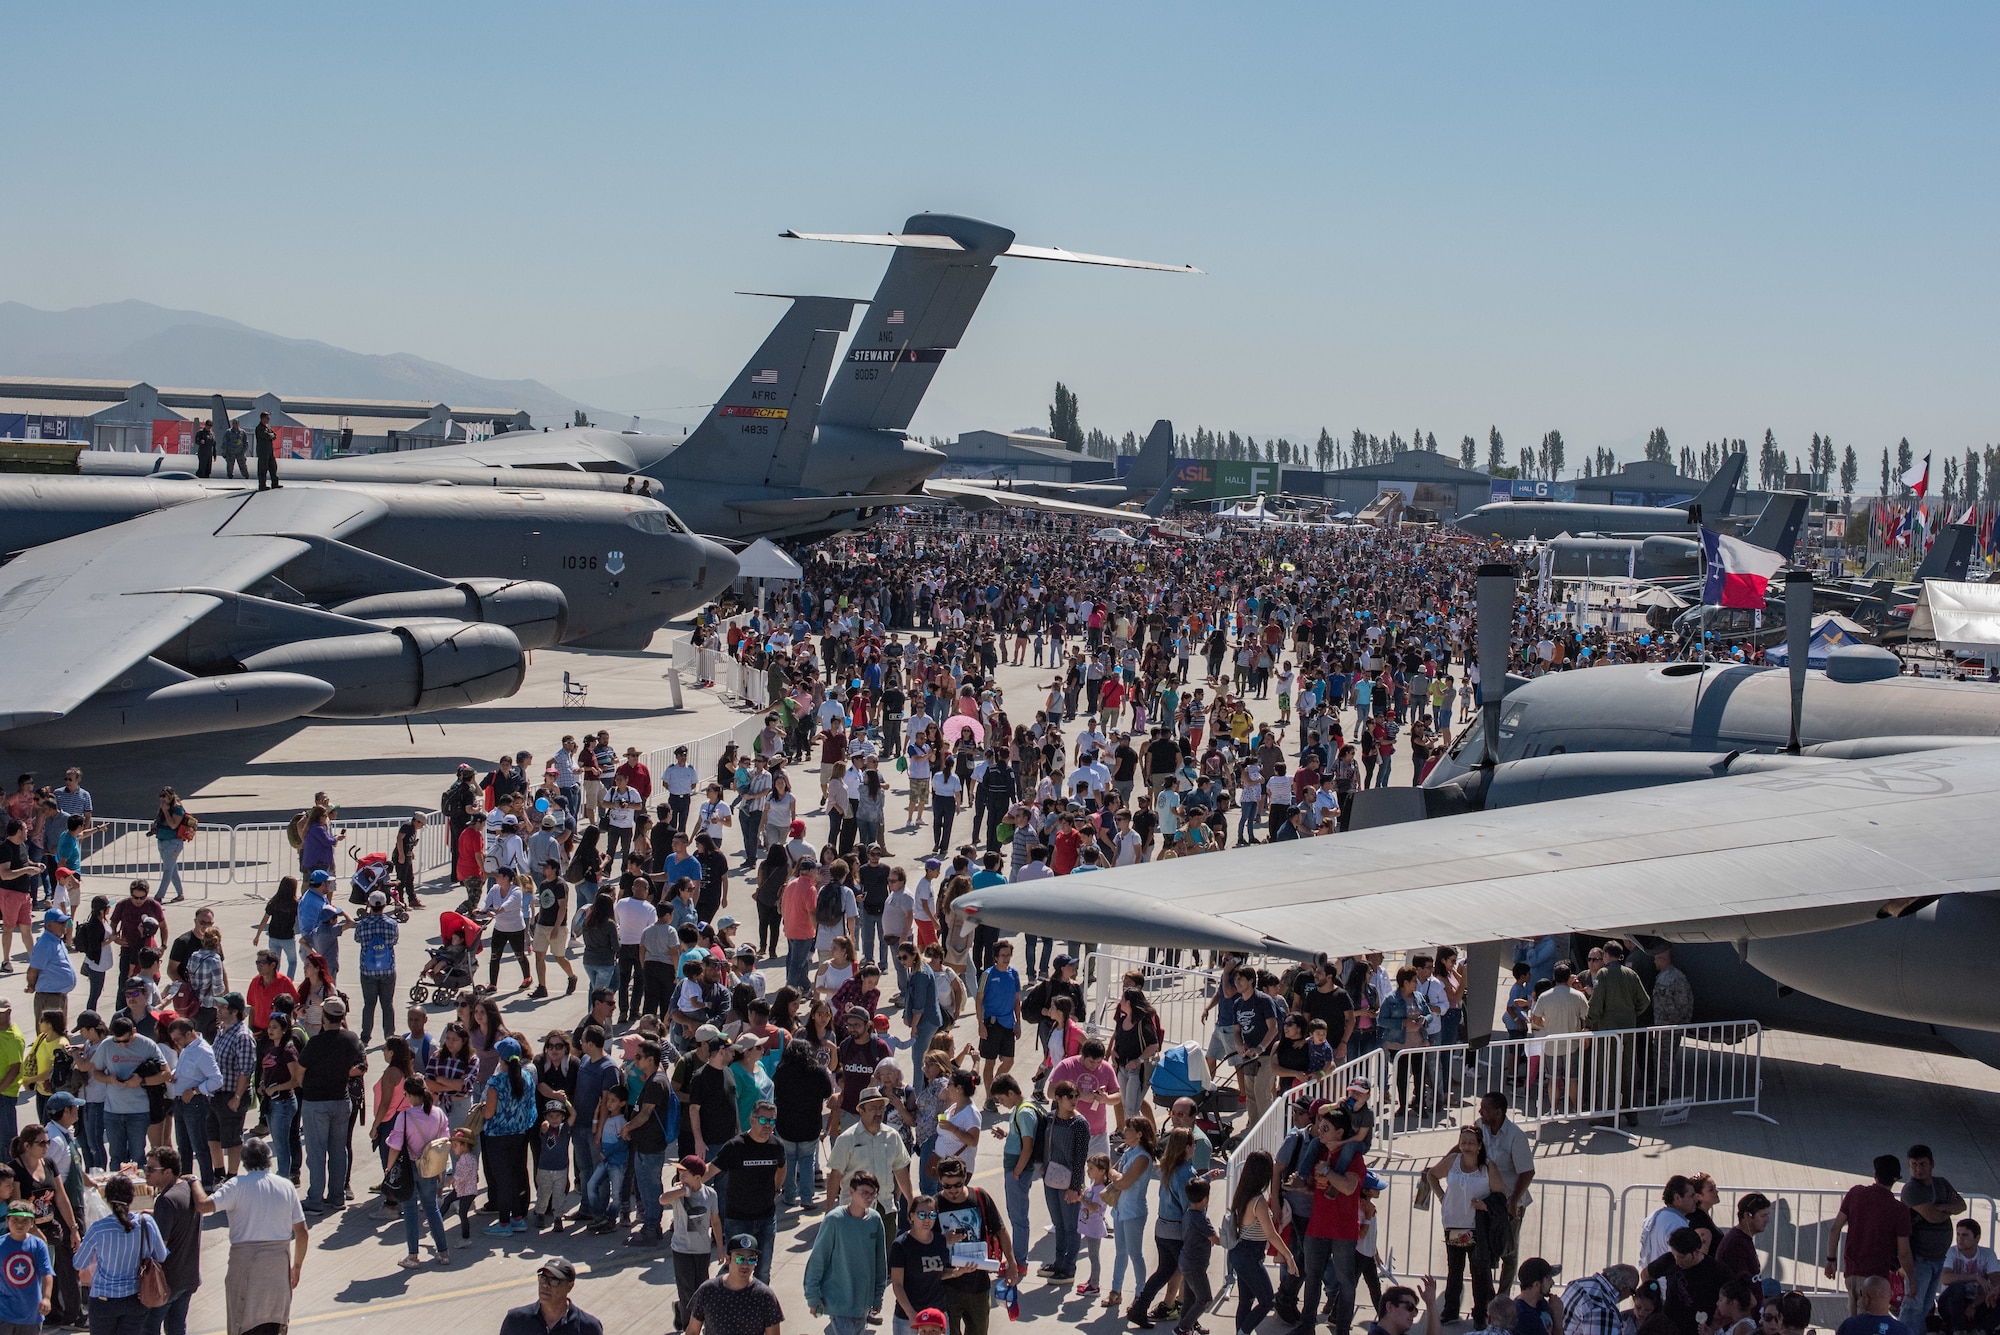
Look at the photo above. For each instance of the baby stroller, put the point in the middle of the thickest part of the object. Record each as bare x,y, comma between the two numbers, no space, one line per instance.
454,964
1182,1073
371,873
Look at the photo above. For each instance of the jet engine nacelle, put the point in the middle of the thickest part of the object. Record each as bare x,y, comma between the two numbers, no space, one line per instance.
408,669
537,612
1663,555
158,700
1924,966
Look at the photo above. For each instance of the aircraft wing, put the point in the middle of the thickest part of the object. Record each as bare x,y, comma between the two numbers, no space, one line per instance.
1825,845
979,497
75,615
812,507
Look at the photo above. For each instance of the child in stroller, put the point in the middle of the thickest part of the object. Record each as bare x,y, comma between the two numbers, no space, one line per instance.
1182,1073
454,963
372,872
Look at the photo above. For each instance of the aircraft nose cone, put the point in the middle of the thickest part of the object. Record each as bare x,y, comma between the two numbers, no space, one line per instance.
721,566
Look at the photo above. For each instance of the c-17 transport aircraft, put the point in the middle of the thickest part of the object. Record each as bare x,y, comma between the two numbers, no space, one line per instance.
1523,521
772,458
1819,836
147,608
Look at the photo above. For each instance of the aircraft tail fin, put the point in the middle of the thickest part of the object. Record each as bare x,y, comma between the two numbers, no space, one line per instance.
1712,501
1949,555
1777,529
1162,498
1155,459
218,418
761,428
933,285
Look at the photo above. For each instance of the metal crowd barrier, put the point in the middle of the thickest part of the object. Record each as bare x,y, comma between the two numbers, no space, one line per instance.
1410,1241
1177,995
255,853
1269,1131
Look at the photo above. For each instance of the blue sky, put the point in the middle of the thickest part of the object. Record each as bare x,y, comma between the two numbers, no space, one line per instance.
1712,218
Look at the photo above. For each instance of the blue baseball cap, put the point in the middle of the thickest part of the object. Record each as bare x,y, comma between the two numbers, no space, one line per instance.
507,1048
319,878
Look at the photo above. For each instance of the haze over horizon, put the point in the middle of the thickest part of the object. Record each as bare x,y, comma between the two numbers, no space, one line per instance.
1710,219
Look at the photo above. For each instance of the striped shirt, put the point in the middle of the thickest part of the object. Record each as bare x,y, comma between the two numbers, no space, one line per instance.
204,976
116,1254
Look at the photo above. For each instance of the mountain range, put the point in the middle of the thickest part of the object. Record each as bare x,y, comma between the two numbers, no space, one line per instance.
136,340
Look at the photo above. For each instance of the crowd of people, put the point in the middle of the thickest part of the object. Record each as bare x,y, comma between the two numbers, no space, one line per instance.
785,1027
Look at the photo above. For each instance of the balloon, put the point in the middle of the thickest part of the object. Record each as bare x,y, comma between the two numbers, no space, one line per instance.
542,804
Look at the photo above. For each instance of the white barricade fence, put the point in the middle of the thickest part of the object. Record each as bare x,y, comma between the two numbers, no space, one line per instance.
1269,1131
1793,1248
1571,1223
1177,995
126,850
1583,1076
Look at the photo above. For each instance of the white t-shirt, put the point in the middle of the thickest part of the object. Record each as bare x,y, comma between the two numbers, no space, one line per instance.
958,1134
926,896
1981,1261
693,1233
622,816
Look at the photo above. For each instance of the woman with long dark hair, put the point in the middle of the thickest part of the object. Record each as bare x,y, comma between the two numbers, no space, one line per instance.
280,923
93,942
1135,1043
449,1074
167,828
801,1086
1256,1229
772,873
599,931
42,1188
510,1119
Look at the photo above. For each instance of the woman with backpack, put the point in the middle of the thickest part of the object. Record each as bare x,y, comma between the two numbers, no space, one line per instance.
1136,1038
172,828
93,943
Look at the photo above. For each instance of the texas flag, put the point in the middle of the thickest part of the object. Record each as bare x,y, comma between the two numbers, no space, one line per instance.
1738,573
1918,479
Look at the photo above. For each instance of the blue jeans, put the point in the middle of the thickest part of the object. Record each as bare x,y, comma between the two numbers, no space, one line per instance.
1020,1220
191,1121
871,937
377,989
125,1138
1254,1296
798,963
170,868
583,1160
425,1199
1921,1294
603,1184
1129,1247
117,1316
92,1134
1321,1256
326,1151
602,976
801,1169
765,1230
1034,967
1382,771
286,948
284,1111
173,1318
649,1167
1062,1214
926,1031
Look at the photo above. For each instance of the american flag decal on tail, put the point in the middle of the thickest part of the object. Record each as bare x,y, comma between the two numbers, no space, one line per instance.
764,378
895,317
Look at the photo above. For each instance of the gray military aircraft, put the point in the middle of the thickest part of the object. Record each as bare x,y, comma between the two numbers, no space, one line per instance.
1667,556
1522,521
1802,833
146,608
1145,482
772,459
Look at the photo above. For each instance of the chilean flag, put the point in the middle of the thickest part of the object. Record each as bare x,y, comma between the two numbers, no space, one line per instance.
1738,573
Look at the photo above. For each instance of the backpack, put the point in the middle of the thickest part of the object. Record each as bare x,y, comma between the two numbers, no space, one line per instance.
1040,1154
952,1003
65,1075
830,908
295,830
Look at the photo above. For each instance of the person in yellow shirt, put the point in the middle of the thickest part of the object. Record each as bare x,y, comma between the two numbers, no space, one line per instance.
13,1051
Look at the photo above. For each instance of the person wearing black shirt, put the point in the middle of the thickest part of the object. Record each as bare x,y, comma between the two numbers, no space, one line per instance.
755,1163
712,1092
1293,1055
1689,1279
920,1262
1163,757
331,1058
714,878
1322,997
803,1088
551,934
646,1133
1256,1034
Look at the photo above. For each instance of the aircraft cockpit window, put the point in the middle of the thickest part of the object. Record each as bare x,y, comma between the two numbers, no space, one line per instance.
661,523
1510,722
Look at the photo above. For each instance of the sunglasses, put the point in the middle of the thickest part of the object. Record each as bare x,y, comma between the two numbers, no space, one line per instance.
553,1281
743,1258
1405,1304
926,1214
766,1121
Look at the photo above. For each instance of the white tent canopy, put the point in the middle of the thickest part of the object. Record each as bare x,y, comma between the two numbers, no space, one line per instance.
1959,615
763,559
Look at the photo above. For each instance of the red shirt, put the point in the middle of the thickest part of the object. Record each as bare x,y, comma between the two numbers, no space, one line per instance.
1875,1220
1335,1215
634,774
1069,844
